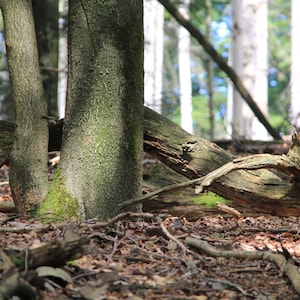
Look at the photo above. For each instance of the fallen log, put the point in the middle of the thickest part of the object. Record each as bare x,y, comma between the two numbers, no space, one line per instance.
266,188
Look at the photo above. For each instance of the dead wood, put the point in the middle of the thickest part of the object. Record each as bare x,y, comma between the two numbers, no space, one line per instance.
262,189
286,267
53,253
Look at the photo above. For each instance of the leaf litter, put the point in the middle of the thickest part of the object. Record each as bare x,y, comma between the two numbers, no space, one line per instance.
146,256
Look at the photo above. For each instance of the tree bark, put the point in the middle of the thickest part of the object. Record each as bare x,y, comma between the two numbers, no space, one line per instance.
249,58
184,71
102,139
262,191
28,157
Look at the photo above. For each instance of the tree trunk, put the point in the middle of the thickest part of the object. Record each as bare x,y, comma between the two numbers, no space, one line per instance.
153,50
184,64
28,157
295,64
102,139
46,26
210,73
223,66
263,190
249,59
257,191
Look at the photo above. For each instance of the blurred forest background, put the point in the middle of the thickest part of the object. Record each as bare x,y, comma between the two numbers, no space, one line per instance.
198,97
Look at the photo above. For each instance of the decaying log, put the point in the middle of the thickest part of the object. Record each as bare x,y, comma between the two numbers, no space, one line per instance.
265,189
53,253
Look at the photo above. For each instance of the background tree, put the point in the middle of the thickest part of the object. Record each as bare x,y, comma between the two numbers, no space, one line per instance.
153,53
249,60
295,64
210,72
28,158
102,139
184,65
45,15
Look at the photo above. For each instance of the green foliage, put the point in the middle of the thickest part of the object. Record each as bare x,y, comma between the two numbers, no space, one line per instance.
279,65
279,62
209,199
58,204
201,115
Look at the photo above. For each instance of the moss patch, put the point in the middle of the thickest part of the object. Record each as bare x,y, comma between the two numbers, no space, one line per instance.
58,204
209,199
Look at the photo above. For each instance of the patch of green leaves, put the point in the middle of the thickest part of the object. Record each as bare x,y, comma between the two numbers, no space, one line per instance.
209,199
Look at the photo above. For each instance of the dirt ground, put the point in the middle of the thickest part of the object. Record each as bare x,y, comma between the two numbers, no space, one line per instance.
148,256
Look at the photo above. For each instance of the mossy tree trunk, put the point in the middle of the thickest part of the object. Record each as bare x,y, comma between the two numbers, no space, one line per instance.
28,157
103,134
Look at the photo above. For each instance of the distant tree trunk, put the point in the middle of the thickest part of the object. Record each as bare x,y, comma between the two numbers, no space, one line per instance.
295,64
46,26
28,158
184,63
249,59
62,58
153,61
103,135
210,72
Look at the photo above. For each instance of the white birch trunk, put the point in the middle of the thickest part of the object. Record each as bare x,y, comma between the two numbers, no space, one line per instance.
185,72
153,53
295,63
249,58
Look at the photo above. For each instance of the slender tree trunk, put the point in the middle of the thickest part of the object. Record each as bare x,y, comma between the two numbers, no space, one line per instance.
46,26
210,72
295,65
102,138
249,59
62,58
153,61
186,106
28,157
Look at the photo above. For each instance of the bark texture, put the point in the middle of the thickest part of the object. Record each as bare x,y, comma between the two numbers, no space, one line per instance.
252,191
261,188
28,157
102,138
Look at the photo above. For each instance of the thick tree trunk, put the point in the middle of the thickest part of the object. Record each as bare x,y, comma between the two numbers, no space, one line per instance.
102,139
28,157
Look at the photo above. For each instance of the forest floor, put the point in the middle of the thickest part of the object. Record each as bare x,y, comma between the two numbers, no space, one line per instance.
149,256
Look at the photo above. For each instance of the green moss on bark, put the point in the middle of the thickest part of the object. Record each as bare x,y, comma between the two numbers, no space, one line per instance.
58,204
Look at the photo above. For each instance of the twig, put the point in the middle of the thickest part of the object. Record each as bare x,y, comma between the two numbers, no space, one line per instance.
49,227
279,260
168,188
174,239
117,218
232,211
